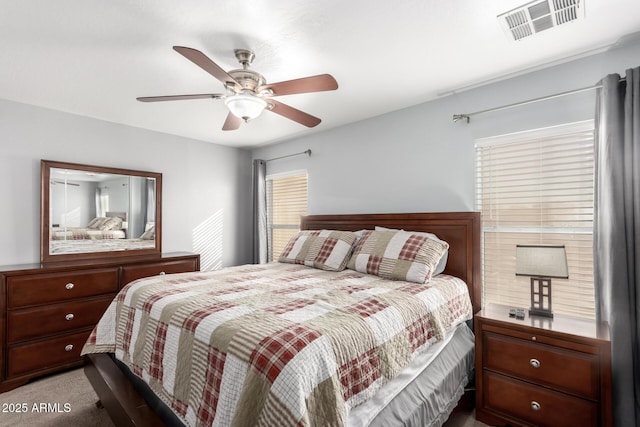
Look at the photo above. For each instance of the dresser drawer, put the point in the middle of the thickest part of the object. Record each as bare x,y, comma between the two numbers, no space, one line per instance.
133,272
36,289
536,405
563,369
38,322
40,355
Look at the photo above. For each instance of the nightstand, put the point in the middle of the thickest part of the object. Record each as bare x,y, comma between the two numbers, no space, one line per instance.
540,371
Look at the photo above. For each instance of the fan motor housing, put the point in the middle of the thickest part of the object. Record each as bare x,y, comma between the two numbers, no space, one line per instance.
249,80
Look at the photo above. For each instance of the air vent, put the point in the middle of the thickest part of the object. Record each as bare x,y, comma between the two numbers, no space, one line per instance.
538,16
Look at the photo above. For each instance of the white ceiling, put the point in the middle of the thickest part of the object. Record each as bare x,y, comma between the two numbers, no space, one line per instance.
94,57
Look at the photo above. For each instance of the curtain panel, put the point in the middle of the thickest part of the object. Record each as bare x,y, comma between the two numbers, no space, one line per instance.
260,232
617,235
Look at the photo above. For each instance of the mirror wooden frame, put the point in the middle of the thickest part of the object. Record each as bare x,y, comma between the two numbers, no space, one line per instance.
45,207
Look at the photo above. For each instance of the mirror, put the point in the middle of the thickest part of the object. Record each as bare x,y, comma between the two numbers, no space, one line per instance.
92,212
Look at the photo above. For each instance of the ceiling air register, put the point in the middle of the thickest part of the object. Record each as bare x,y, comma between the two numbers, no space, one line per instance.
538,16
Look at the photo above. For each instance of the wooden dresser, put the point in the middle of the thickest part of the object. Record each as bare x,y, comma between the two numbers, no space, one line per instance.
541,371
47,312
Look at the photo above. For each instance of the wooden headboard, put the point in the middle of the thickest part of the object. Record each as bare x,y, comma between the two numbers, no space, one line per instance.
121,215
460,229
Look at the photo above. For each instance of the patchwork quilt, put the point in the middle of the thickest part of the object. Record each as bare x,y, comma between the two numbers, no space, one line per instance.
274,344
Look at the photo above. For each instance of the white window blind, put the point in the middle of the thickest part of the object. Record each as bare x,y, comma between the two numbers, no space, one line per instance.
537,188
286,203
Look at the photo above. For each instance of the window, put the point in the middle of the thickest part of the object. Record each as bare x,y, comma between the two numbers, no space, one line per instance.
536,187
286,203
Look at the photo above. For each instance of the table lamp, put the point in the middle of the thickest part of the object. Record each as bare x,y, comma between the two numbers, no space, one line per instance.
542,263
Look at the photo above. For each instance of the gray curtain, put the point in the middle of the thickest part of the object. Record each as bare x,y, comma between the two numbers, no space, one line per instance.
260,232
617,235
100,210
150,205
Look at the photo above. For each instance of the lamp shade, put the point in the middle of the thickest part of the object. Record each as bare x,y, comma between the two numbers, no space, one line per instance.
245,106
541,261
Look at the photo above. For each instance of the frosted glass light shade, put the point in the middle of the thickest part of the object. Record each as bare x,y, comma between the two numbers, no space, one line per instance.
245,106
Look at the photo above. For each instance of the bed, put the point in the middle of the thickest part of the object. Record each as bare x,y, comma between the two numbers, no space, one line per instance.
102,234
111,226
424,392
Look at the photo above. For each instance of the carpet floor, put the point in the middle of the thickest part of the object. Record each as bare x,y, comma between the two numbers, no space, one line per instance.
65,399
68,400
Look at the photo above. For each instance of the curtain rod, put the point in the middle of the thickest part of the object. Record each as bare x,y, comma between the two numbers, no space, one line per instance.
467,116
307,152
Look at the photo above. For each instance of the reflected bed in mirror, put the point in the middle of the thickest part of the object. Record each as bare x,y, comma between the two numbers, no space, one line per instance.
91,212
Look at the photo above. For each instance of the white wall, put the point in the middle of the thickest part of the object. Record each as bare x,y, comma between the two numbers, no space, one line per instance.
201,181
417,159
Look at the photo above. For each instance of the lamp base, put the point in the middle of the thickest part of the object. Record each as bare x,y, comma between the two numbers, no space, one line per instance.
541,297
540,312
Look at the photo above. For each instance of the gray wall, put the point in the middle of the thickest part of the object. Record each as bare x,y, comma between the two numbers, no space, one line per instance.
417,159
74,209
206,186
414,159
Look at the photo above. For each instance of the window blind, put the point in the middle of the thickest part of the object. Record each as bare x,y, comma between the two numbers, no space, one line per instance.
286,203
537,188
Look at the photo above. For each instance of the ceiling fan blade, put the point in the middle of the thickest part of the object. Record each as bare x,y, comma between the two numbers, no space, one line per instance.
232,122
203,61
179,97
293,113
319,83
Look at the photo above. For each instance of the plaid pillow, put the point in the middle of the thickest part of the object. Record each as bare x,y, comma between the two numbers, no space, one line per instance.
323,249
95,223
112,223
442,263
397,255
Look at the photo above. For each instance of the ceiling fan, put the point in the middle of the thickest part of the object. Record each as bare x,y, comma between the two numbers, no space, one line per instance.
248,93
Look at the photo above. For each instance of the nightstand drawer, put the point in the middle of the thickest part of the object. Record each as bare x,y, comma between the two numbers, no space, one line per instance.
563,369
536,405
36,289
38,322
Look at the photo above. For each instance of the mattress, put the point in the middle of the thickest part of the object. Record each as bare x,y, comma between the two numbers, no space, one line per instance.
427,391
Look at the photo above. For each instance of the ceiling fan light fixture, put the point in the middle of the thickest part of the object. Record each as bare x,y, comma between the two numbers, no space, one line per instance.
245,106
247,92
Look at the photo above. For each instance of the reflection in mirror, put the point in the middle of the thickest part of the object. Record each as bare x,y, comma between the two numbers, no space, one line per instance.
93,210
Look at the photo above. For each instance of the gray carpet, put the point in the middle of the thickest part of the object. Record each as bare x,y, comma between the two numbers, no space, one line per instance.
68,400
65,399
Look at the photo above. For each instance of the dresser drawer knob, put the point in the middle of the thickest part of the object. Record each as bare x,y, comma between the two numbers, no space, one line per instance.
69,286
535,406
533,338
68,347
69,316
535,363
162,273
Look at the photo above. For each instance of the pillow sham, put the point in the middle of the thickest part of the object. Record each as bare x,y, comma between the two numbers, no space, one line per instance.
96,222
323,249
397,255
442,264
111,223
150,234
